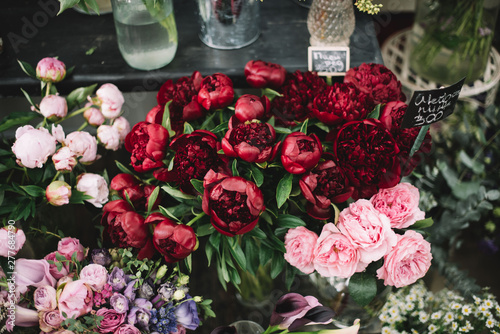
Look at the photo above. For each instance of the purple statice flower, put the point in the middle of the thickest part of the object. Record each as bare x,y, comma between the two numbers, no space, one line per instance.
101,256
187,314
117,279
119,303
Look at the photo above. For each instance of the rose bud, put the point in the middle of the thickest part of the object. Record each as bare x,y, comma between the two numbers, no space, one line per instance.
300,152
111,100
128,186
260,74
147,142
233,203
174,241
68,246
44,298
251,141
323,185
11,233
109,137
249,107
58,193
50,70
216,92
64,160
83,144
123,126
93,116
33,146
53,107
95,186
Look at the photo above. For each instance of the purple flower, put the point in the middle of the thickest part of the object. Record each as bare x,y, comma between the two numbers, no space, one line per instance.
130,290
117,279
166,291
139,314
101,256
146,290
119,303
186,314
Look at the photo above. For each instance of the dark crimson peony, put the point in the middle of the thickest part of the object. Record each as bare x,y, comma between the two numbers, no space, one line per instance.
233,203
147,142
298,92
261,74
249,107
195,155
377,81
323,185
174,241
300,152
216,92
368,155
127,185
341,103
251,141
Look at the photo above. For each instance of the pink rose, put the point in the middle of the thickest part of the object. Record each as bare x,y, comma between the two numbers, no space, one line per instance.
50,70
408,261
400,204
111,100
123,127
67,246
368,229
93,116
58,193
131,329
33,146
95,186
112,320
75,299
50,321
95,276
12,240
83,144
57,132
335,255
34,273
299,245
109,137
53,268
45,298
64,159
53,106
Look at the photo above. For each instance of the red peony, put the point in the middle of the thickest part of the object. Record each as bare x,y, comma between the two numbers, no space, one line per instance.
233,203
249,107
216,92
147,144
261,74
127,185
300,152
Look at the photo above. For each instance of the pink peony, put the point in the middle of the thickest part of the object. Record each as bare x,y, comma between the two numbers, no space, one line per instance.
33,273
53,106
111,100
50,321
299,245
68,246
95,186
58,133
45,298
368,229
407,262
123,127
75,299
109,137
53,268
64,160
95,276
83,144
400,204
93,116
335,255
131,329
33,146
50,70
58,193
12,240
112,320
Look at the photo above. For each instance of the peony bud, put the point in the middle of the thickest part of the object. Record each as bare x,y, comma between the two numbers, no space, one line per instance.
109,137
123,127
58,193
54,106
111,99
50,70
95,186
93,116
64,160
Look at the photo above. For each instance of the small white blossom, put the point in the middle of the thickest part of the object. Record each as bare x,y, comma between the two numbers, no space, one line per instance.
436,315
448,317
490,322
466,310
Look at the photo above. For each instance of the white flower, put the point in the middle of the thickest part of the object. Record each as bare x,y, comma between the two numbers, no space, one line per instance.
436,315
490,322
409,307
448,317
454,326
455,306
488,303
466,309
432,328
423,317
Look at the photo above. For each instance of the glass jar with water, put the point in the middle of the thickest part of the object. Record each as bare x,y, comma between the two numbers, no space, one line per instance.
146,32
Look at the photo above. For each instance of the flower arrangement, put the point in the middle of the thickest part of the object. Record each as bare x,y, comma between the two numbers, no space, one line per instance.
106,291
415,309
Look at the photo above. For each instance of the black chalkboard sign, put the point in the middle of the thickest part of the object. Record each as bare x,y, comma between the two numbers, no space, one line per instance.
329,61
430,106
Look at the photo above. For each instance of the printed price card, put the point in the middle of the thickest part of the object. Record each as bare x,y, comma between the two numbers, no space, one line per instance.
429,106
329,61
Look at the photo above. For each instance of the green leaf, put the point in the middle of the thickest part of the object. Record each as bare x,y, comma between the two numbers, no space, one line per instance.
284,189
207,121
215,239
475,165
79,96
188,128
205,229
27,68
122,168
424,223
152,198
265,254
493,195
257,232
463,190
277,264
282,130
188,261
65,4
34,191
198,185
166,121
237,253
176,193
93,4
167,213
419,140
252,254
363,288
209,251
17,118
2,196
375,113
257,175
28,97
270,93
77,197
303,128
220,128
234,168
289,221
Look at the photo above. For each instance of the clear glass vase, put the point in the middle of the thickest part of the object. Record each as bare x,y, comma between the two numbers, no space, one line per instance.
331,22
451,39
146,32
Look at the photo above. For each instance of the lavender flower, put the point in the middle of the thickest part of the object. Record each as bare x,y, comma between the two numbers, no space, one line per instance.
119,303
140,314
146,290
166,291
117,279
101,256
187,314
130,290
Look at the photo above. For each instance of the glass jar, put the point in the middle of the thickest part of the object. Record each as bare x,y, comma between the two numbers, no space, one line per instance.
451,39
331,22
146,32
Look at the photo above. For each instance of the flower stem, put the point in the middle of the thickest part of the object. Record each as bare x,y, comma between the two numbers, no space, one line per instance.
196,218
46,232
73,113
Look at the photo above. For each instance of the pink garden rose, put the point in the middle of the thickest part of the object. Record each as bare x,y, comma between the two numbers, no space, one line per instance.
50,321
76,299
83,144
64,159
111,100
400,204
368,229
9,246
123,126
407,262
335,254
45,298
53,106
67,246
56,273
33,146
95,275
130,329
112,320
33,273
299,245
58,193
95,186
109,137
50,69
93,115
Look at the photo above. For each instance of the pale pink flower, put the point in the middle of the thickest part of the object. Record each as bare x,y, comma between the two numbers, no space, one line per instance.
58,193
95,275
44,298
54,106
368,230
64,159
400,204
33,146
50,70
76,299
299,245
33,273
54,271
24,317
58,133
407,262
83,144
109,137
95,186
93,116
67,246
123,127
50,321
111,100
12,240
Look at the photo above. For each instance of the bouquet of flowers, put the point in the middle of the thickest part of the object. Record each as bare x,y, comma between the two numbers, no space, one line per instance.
109,291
